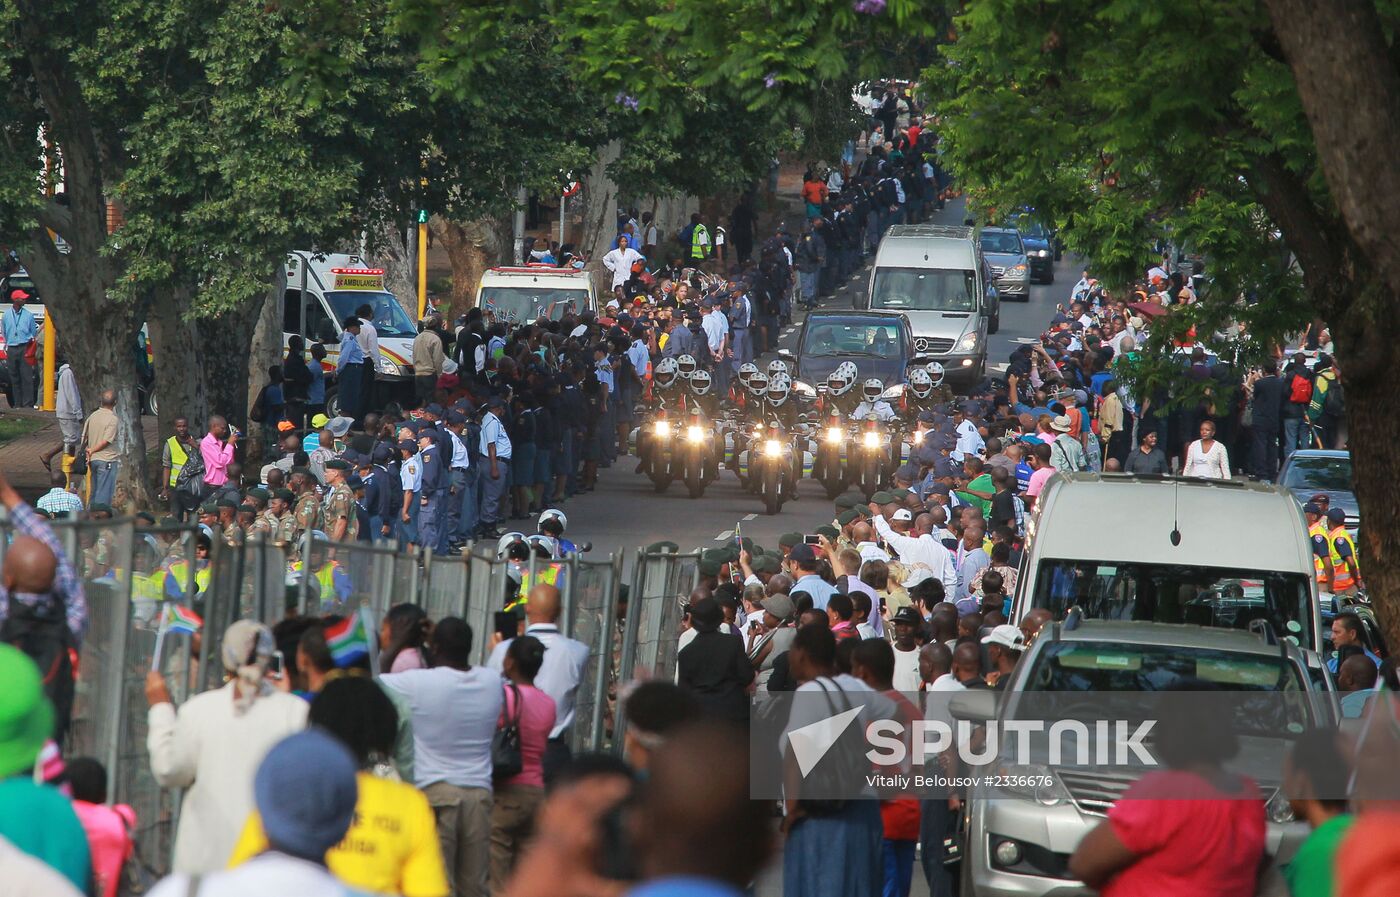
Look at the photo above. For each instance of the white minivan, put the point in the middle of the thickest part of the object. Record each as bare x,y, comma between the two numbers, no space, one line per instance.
935,275
517,295
1171,550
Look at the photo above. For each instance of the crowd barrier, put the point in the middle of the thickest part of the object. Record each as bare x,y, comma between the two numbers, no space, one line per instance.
132,574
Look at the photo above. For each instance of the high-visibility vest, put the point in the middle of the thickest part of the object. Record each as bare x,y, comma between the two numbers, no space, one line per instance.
177,576
1319,567
697,246
325,578
549,575
178,457
1341,574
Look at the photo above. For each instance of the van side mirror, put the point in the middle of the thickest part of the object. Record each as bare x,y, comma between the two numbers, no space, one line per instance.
978,705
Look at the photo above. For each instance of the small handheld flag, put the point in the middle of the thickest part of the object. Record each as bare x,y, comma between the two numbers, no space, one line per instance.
181,619
348,640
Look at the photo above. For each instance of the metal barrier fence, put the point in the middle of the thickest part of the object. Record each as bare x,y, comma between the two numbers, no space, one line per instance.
132,575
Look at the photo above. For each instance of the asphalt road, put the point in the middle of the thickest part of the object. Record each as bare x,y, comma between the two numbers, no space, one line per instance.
624,513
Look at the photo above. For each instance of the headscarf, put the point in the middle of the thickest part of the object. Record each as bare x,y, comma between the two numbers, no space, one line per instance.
247,650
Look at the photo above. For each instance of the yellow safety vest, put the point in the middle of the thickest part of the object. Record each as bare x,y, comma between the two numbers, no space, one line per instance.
1319,567
548,575
1341,575
178,457
697,247
325,578
179,573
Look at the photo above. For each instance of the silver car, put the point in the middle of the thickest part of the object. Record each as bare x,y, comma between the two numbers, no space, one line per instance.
1019,841
1004,251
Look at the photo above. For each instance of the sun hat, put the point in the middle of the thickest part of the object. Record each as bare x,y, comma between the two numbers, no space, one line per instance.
26,715
1061,424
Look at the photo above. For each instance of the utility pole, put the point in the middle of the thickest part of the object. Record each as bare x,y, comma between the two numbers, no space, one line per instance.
49,402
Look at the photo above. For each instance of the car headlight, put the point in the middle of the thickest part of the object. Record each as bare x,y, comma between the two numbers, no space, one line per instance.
387,366
969,342
661,428
772,448
834,435
1043,253
1278,808
695,433
1033,781
1015,270
871,439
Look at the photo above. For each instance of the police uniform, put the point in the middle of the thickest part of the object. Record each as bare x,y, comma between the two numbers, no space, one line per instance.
461,504
880,408
431,505
340,504
411,483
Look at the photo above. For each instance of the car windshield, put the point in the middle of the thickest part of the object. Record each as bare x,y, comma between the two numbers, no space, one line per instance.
525,303
1173,593
1318,474
850,338
389,318
1263,693
924,289
1029,227
1001,242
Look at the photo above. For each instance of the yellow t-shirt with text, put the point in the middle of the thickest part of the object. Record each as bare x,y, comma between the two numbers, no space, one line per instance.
391,847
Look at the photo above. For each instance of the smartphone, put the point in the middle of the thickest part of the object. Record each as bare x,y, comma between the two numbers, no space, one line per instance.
277,665
812,540
506,623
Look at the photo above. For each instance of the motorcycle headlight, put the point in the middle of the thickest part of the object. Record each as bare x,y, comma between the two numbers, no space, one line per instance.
1043,253
661,428
834,434
968,342
1015,270
758,430
872,439
387,366
772,448
695,433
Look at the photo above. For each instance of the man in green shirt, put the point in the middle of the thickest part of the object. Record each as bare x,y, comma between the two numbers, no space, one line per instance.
1315,779
979,489
35,818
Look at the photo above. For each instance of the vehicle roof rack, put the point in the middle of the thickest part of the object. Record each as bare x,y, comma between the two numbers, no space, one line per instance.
951,231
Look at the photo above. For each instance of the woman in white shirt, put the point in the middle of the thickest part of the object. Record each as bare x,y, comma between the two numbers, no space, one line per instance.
620,260
1205,457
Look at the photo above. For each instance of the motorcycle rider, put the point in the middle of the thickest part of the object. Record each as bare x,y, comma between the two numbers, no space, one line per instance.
919,395
840,392
872,403
702,395
666,400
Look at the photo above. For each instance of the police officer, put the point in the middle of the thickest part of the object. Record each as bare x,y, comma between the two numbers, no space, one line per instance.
461,502
280,505
435,480
341,523
372,500
410,489
740,319
495,465
356,485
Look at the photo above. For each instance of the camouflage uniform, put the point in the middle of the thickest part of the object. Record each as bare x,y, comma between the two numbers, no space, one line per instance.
341,503
233,535
264,526
286,530
307,516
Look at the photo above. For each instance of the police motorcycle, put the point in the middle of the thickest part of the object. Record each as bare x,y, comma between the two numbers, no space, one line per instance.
829,462
872,453
777,452
685,446
747,425
667,405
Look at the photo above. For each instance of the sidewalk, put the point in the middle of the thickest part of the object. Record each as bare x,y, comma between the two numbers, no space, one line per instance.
19,458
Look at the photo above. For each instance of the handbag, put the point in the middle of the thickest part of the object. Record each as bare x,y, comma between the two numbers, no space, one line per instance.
507,759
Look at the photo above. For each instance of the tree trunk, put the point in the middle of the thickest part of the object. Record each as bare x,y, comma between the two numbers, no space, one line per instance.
108,360
225,354
600,213
266,351
472,247
180,385
396,251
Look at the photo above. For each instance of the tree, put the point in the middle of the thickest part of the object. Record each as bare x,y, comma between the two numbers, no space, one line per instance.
1247,130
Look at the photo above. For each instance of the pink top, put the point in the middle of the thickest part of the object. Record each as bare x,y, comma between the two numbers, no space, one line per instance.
1190,839
109,840
407,659
536,722
1037,481
217,456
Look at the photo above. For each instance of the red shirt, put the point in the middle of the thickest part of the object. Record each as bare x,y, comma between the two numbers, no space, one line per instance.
914,131
901,815
1191,840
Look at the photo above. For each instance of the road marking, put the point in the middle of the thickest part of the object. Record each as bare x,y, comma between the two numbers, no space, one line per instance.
725,536
750,516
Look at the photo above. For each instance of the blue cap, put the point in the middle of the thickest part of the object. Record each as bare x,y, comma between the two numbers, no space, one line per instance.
305,791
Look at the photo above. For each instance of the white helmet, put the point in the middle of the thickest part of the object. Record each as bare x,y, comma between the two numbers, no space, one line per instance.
935,372
747,370
665,372
872,389
700,382
553,514
842,379
686,365
758,383
777,366
504,543
779,388
920,383
545,542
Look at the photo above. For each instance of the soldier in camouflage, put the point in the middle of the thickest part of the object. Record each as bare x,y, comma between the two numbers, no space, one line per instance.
342,524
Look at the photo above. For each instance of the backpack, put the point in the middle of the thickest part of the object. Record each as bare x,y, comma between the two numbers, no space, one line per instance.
1300,389
1333,401
191,477
844,764
41,631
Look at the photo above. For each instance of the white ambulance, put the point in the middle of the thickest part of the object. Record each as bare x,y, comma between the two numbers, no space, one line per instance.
518,295
325,289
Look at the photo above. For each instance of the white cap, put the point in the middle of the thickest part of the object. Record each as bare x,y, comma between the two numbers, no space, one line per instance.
902,514
1007,636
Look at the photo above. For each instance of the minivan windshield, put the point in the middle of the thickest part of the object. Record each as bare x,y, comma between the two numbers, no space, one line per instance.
924,289
1175,593
514,305
1318,474
1001,242
389,318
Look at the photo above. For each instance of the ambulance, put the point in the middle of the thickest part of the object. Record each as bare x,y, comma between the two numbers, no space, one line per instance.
517,295
323,289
